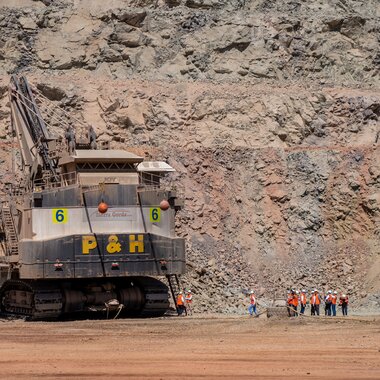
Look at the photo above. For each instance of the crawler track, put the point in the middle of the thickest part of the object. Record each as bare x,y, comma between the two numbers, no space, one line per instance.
44,300
156,298
32,300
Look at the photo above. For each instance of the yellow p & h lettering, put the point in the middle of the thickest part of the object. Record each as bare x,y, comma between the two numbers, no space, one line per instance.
113,244
133,243
88,242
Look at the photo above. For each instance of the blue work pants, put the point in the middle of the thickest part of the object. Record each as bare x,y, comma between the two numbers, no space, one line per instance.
252,309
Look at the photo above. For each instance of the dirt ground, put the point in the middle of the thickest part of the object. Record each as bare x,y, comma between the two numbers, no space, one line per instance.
192,347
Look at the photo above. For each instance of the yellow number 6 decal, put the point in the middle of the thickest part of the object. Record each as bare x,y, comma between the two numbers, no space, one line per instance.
59,215
155,215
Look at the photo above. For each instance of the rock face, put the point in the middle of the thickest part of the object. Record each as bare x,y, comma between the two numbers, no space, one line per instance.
269,111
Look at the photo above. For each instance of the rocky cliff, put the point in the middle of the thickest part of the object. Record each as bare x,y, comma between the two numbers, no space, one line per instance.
269,111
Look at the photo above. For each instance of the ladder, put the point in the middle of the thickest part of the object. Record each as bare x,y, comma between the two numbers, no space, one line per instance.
10,230
175,287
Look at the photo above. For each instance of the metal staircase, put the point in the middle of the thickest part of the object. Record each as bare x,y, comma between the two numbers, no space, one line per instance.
175,287
9,229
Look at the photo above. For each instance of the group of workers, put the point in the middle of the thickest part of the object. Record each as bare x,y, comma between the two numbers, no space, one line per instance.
296,298
184,302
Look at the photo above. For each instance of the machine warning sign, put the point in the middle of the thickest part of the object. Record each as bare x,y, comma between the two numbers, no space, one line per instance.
59,215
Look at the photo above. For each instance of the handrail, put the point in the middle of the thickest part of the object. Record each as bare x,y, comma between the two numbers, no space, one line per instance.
72,178
65,179
11,241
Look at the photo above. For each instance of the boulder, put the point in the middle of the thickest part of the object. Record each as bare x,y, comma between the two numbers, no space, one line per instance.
110,55
372,203
107,104
205,4
277,193
128,36
334,24
352,26
52,92
27,23
132,16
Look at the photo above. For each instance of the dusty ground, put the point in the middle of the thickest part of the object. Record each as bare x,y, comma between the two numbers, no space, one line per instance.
199,347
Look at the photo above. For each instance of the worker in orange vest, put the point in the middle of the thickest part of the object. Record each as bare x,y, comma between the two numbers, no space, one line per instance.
343,301
303,301
334,298
252,305
315,301
189,300
295,302
181,304
289,302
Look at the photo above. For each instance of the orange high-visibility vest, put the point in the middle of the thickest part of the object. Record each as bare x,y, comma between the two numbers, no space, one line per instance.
180,300
189,298
253,299
303,298
290,299
314,300
334,299
295,300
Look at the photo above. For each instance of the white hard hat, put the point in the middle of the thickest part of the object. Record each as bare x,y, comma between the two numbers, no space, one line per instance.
316,290
343,295
180,292
297,292
189,291
251,292
335,292
329,292
303,291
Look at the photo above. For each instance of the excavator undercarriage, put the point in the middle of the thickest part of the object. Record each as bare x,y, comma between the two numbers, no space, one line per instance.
43,300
